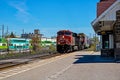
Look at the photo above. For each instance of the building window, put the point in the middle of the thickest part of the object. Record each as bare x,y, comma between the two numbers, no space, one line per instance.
3,44
10,44
27,44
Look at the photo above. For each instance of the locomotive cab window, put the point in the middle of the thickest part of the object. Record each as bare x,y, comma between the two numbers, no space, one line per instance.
60,33
74,34
67,33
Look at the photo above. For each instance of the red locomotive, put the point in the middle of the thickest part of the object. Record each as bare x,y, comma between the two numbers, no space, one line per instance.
67,41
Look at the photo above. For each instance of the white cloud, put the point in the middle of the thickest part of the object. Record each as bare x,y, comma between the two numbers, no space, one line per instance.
22,13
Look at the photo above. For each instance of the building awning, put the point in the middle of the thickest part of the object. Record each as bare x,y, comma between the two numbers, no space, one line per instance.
107,19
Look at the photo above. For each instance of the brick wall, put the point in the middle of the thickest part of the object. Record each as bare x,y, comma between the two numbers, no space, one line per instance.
103,5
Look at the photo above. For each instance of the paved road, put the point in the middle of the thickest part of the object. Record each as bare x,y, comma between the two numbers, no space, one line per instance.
75,66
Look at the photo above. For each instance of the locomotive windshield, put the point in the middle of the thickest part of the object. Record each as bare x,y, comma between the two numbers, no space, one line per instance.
67,33
60,33
64,33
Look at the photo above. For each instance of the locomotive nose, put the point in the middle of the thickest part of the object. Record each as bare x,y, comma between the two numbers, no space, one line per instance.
62,40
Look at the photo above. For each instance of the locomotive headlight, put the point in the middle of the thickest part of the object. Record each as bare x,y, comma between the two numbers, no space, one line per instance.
63,36
58,42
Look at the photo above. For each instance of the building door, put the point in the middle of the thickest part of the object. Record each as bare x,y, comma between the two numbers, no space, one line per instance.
105,41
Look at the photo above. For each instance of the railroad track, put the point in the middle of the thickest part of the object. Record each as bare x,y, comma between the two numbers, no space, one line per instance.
21,61
25,60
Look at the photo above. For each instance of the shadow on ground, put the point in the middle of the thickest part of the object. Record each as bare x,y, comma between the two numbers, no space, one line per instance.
93,59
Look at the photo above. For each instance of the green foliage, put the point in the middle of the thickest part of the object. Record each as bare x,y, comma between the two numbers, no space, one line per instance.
96,40
3,47
52,47
30,47
3,40
46,41
12,55
92,48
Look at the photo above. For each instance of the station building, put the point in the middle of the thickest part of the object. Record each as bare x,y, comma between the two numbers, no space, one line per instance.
107,25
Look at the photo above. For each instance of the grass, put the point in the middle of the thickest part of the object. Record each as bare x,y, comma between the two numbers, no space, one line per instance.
12,55
92,48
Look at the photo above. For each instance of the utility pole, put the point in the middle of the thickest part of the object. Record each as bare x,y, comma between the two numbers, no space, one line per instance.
7,30
2,31
90,36
23,31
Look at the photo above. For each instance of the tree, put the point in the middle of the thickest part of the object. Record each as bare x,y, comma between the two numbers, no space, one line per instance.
35,43
12,35
94,41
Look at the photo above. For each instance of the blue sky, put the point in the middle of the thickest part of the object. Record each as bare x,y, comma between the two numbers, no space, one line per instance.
49,16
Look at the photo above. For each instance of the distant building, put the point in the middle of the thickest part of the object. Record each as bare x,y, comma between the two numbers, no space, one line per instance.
25,35
19,44
36,31
32,35
48,41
